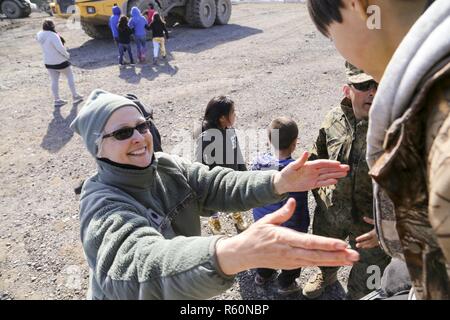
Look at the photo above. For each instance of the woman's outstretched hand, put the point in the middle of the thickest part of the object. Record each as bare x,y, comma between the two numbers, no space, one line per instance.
303,175
265,244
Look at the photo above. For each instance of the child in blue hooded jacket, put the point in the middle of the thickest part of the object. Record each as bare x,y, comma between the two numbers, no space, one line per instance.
138,24
114,21
283,133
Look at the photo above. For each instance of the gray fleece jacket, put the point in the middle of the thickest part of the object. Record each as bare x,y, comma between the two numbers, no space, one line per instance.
141,228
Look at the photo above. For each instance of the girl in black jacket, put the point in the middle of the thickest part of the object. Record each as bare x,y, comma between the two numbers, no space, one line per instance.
158,28
217,145
124,40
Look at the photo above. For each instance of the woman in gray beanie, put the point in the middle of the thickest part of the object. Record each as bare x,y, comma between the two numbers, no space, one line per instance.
140,214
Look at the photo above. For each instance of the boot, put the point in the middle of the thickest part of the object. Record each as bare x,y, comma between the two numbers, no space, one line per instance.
317,283
239,222
215,225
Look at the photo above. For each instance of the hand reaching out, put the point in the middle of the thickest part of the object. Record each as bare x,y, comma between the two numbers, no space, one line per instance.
303,175
266,244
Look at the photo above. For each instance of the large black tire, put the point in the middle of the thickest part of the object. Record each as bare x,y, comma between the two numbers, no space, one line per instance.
26,9
96,31
172,20
14,9
143,7
201,13
223,11
141,4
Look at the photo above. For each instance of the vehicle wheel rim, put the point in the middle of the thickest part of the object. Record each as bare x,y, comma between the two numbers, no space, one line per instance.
223,9
11,9
207,11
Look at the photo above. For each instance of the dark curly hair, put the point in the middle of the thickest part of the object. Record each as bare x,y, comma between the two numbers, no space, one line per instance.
48,25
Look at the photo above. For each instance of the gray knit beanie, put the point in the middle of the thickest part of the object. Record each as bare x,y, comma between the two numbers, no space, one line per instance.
92,118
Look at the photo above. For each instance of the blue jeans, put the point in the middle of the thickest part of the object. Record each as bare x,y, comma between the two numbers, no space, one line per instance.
140,46
122,48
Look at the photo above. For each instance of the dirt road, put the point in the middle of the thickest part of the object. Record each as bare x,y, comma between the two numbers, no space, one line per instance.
269,59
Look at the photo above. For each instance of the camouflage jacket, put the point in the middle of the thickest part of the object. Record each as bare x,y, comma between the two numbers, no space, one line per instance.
414,171
408,151
343,138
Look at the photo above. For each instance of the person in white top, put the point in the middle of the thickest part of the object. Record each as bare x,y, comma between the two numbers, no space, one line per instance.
56,59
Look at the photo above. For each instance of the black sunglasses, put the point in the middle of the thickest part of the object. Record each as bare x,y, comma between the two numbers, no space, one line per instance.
365,86
127,132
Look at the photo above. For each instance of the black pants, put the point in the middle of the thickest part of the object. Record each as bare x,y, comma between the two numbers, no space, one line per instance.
285,278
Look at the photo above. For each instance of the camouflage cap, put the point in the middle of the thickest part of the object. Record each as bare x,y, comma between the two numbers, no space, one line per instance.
355,75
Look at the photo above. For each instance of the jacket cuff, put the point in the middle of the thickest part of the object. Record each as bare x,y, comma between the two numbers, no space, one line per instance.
215,260
273,191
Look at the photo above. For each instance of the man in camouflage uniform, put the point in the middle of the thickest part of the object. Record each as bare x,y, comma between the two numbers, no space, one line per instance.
346,209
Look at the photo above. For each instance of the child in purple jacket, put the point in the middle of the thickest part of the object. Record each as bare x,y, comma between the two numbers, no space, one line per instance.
138,23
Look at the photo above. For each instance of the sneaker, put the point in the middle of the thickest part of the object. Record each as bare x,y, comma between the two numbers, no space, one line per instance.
292,288
239,222
317,283
260,281
132,63
60,102
77,98
215,226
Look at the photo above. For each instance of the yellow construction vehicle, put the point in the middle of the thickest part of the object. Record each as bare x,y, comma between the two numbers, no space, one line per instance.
94,14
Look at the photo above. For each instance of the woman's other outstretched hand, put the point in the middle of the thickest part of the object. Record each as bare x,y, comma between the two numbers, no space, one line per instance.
265,244
302,175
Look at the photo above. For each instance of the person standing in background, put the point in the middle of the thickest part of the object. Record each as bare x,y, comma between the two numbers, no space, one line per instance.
138,23
56,59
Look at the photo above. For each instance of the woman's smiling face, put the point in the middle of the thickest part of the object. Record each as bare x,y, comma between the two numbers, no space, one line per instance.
136,150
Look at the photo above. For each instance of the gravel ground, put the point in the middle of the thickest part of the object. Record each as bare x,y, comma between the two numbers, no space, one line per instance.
269,59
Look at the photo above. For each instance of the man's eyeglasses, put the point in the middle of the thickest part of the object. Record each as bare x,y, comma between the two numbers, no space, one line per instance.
127,132
365,86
